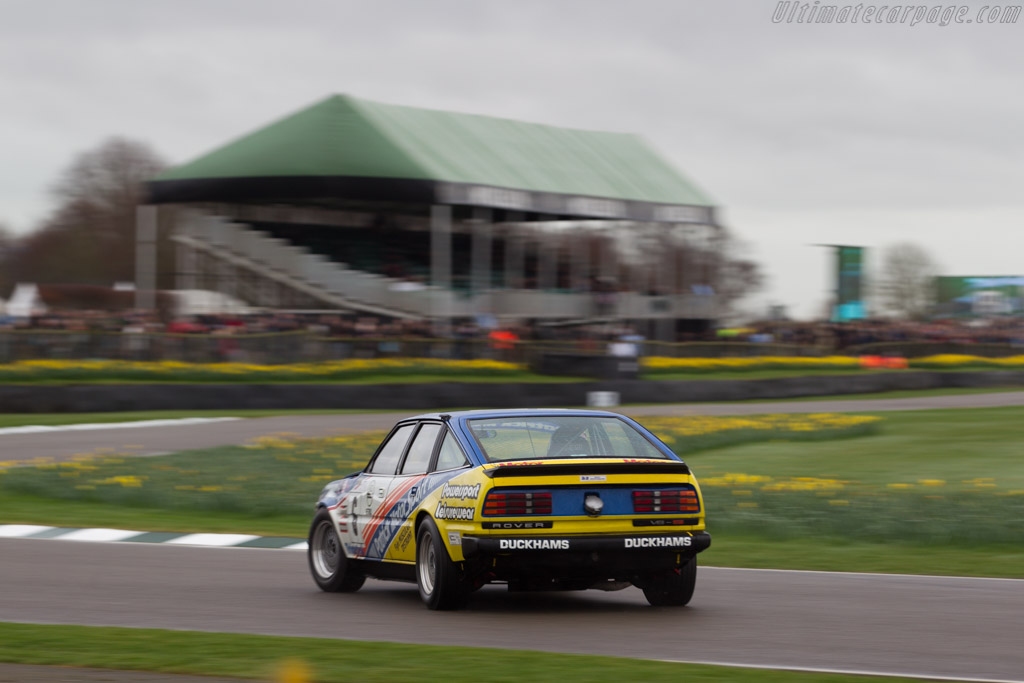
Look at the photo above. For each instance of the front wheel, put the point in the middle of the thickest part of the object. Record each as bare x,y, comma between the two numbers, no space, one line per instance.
441,584
673,588
331,570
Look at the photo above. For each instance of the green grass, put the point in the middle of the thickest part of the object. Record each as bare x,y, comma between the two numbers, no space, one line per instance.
728,549
772,373
925,488
820,553
271,477
21,508
269,657
952,445
781,373
198,378
889,394
940,478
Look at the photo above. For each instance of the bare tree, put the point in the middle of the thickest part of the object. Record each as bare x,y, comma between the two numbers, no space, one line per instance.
7,256
732,275
906,284
109,178
89,237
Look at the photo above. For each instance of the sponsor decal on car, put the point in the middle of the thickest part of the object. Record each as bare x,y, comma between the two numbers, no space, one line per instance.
403,539
659,542
459,512
533,544
461,491
593,477
454,538
517,525
525,424
665,522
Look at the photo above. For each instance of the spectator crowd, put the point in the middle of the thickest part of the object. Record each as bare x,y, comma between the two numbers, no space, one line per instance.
141,335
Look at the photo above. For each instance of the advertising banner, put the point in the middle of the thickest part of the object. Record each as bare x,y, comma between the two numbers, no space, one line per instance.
979,295
849,284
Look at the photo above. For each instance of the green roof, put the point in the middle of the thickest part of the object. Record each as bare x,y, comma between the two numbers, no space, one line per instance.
343,136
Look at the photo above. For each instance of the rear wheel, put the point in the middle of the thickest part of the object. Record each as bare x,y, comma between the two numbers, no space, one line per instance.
673,588
441,584
331,570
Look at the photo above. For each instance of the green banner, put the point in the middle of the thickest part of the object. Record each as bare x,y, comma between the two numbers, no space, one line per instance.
849,284
979,295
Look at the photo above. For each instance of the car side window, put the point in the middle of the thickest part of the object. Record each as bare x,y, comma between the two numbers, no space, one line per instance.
451,456
418,459
621,439
386,461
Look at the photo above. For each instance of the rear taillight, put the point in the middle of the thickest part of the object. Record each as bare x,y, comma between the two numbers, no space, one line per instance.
666,501
508,504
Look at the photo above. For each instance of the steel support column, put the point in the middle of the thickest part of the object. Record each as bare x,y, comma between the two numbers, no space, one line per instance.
515,252
146,217
187,266
482,231
440,260
547,260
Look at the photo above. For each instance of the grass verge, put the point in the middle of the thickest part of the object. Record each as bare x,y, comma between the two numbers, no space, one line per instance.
889,394
275,657
20,508
899,499
845,555
411,378
728,549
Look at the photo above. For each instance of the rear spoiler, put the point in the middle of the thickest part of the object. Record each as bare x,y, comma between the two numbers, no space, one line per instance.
527,469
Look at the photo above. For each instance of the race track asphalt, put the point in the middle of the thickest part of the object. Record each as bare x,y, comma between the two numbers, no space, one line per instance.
63,445
960,628
910,625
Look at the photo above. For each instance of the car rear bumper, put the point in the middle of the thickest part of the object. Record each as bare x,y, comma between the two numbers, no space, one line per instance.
676,542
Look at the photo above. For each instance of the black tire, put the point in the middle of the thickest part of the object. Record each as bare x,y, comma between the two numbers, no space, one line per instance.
330,568
440,581
673,588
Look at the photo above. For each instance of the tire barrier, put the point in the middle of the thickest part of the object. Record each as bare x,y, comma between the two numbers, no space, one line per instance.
132,397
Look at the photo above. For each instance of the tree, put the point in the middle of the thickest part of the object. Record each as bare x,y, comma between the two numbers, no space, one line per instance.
7,247
906,284
732,275
89,238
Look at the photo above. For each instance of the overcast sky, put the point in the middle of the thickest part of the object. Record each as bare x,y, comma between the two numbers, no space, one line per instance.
804,133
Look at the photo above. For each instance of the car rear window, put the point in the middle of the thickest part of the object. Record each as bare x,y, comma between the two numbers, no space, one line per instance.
560,436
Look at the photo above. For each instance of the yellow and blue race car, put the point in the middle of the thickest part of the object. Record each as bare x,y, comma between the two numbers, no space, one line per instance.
535,499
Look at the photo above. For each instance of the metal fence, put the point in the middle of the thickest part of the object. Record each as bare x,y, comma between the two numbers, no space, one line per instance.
306,346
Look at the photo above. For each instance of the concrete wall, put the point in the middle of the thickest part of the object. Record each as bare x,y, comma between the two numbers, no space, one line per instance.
416,397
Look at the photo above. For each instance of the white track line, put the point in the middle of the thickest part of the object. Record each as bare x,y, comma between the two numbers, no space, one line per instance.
89,426
211,539
100,535
848,672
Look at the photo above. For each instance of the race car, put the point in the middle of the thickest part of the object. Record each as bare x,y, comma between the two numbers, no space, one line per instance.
535,499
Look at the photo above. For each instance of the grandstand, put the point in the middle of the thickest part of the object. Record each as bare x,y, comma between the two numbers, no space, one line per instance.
415,213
